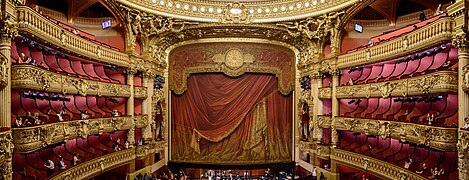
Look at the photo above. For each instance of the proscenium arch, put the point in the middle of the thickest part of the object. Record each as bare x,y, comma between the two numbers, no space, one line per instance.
293,51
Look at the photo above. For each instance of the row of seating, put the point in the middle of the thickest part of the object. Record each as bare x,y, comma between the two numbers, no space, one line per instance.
32,165
443,57
48,110
27,51
429,110
413,157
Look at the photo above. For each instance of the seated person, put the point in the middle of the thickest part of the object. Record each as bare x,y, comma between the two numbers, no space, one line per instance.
62,164
19,121
59,115
422,168
466,123
84,114
115,113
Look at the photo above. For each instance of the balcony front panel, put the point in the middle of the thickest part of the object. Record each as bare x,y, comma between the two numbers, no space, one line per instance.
438,82
32,77
30,139
444,139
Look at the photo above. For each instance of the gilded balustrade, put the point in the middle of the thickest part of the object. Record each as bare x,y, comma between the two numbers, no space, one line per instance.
377,167
442,81
438,32
97,165
32,77
29,139
439,138
35,24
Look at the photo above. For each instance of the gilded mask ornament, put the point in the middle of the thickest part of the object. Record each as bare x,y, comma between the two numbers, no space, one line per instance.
4,68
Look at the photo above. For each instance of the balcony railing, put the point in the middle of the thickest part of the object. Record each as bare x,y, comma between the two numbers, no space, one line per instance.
435,33
31,22
439,82
30,139
32,77
377,167
444,139
98,165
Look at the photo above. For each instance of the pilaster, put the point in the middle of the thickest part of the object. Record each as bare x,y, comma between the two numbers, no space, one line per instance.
316,78
335,107
130,105
148,82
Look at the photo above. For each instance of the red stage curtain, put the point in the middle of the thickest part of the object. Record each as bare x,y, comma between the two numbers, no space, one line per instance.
233,120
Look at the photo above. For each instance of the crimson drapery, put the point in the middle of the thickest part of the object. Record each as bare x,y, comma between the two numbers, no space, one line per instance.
234,120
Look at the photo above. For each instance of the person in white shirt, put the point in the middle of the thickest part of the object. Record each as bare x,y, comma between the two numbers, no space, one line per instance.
50,167
466,123
314,173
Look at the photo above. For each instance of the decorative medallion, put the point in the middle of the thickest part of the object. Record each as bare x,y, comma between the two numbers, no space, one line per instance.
233,58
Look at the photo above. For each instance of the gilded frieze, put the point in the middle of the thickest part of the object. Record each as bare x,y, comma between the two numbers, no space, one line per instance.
32,77
29,139
377,167
239,12
97,165
442,81
440,138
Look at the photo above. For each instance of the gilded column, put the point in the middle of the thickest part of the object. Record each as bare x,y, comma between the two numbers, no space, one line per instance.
148,81
130,105
458,11
335,106
316,78
7,32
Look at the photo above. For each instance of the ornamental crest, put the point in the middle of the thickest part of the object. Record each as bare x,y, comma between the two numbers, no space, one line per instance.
233,58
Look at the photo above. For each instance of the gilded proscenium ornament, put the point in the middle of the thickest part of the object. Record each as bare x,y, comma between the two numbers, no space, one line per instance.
235,13
6,152
436,33
463,154
4,71
97,165
32,77
377,167
440,138
442,81
29,139
318,29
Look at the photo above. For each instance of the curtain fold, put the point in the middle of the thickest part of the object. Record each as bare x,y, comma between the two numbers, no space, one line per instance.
231,120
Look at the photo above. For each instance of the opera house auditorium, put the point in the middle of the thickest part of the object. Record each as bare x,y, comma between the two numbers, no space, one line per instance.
234,89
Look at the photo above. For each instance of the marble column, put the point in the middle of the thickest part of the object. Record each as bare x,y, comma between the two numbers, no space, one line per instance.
148,81
130,105
335,107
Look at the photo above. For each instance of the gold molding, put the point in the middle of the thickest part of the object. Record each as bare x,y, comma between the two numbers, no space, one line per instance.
35,24
377,167
215,65
438,32
140,92
439,138
32,77
325,93
463,154
324,121
441,81
232,39
97,165
30,139
142,151
141,121
279,10
6,152
323,151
